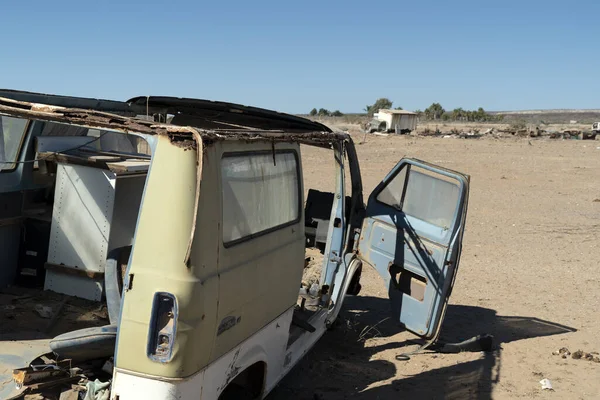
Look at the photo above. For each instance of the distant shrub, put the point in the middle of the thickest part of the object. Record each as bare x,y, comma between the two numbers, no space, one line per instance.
518,125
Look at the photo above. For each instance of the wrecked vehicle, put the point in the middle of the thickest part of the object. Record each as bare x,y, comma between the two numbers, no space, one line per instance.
193,234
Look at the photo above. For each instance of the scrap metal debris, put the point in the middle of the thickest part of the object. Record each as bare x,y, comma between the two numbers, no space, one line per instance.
593,356
450,131
49,377
563,352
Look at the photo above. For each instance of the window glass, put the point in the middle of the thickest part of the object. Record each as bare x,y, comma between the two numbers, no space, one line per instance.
259,193
392,193
12,131
429,197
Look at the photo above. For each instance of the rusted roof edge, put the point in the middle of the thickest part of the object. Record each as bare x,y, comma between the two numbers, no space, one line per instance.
99,119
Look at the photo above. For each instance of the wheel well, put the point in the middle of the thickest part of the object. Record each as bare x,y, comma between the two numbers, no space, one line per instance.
252,379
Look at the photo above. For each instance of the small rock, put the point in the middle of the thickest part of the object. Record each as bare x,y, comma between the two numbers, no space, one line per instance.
577,355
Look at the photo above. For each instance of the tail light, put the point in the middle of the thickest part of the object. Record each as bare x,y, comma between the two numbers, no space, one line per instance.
163,327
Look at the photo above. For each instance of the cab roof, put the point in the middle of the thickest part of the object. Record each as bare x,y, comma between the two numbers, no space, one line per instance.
204,114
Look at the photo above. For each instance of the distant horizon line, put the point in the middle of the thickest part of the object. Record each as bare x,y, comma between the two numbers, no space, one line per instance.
531,111
524,112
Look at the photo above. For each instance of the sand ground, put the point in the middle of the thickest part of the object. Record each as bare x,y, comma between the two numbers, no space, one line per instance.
528,275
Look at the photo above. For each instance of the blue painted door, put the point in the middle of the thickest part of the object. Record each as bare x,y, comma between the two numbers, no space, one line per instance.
412,235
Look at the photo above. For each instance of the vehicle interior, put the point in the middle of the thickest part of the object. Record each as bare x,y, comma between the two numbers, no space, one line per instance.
68,195
69,202
318,205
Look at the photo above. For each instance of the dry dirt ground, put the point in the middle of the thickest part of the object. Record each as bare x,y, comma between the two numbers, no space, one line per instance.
528,275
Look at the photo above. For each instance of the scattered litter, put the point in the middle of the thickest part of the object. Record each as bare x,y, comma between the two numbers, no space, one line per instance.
97,390
563,352
577,355
43,311
581,355
546,384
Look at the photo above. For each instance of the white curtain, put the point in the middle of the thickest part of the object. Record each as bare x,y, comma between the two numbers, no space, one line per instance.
260,192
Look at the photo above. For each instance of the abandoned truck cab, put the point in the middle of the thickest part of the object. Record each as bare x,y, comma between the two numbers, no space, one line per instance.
203,236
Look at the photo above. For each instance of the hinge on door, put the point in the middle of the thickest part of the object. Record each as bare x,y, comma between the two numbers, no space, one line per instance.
335,259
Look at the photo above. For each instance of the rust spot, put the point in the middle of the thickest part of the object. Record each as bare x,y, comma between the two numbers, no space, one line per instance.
182,140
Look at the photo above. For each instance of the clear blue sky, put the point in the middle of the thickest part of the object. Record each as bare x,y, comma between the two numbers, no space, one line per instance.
295,55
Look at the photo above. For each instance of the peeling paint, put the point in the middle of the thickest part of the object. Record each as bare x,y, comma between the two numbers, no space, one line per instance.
232,370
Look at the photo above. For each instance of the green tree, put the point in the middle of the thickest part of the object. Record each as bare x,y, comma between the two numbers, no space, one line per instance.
481,114
458,114
434,111
398,108
337,113
323,112
381,104
313,112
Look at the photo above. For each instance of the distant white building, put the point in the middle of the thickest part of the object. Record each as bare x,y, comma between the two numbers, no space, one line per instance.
399,121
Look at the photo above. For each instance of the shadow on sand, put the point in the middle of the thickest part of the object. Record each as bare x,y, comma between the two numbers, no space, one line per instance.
341,366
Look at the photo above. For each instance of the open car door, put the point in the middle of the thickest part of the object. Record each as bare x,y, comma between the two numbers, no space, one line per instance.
412,235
